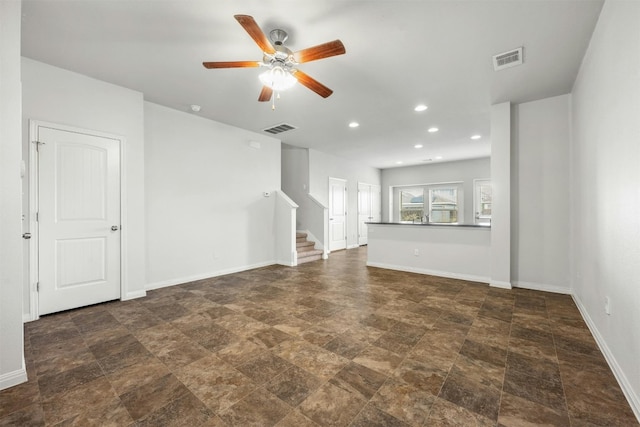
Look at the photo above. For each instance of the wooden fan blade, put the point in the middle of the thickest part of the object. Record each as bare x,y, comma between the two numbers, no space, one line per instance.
251,27
265,94
321,51
231,64
312,84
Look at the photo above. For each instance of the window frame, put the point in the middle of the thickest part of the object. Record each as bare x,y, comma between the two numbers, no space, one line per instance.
396,203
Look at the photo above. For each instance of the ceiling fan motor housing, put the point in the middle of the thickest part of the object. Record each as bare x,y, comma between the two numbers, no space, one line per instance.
278,36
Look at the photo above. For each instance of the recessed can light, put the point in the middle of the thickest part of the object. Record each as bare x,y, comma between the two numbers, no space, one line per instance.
438,157
399,162
476,137
354,124
420,107
433,129
418,146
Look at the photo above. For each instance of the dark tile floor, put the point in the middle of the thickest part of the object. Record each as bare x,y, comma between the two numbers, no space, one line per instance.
329,343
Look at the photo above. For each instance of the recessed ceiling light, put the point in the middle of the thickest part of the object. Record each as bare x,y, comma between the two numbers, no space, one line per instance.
476,137
354,124
195,108
427,160
438,157
420,107
399,162
418,146
432,130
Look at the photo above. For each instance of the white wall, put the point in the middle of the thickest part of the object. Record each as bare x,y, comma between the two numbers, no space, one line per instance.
605,188
206,213
540,194
448,251
322,166
12,369
285,219
465,171
501,193
295,180
59,96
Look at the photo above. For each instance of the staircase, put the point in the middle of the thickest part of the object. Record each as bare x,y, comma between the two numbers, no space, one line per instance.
306,249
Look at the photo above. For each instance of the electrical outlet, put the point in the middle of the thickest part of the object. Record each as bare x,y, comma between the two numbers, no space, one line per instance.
607,305
416,252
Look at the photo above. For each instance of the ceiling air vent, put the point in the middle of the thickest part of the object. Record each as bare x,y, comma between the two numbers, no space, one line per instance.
507,59
282,127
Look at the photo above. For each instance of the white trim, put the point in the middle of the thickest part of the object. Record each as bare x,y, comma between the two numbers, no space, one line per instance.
183,280
33,278
11,379
500,284
134,295
625,384
352,246
565,290
447,274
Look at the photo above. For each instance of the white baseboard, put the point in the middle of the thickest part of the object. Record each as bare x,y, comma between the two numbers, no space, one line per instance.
183,280
447,274
353,246
27,317
135,294
13,378
543,287
623,381
500,284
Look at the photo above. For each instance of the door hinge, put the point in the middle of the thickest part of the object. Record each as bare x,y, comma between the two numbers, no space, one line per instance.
37,286
37,216
38,144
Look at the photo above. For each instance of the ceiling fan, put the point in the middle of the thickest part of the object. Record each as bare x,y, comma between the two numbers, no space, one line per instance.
281,62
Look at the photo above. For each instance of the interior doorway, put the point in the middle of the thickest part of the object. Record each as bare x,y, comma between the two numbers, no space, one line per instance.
369,209
337,214
76,211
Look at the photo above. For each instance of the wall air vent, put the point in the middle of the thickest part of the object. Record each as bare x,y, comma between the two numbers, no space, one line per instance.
282,127
508,59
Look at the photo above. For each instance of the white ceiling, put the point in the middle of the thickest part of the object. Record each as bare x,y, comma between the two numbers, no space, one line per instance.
399,53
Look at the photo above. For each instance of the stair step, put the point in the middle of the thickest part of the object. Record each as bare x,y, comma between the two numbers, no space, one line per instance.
300,235
304,244
309,256
306,254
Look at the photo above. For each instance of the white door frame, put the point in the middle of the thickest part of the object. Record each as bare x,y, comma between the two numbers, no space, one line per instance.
33,278
375,211
346,219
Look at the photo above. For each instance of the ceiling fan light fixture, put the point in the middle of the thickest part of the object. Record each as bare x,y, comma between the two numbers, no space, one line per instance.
277,78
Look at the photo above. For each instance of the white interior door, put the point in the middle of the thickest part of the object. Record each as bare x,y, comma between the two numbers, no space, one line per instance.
337,214
369,209
78,219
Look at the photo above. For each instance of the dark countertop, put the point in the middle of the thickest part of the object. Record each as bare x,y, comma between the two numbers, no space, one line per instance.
430,224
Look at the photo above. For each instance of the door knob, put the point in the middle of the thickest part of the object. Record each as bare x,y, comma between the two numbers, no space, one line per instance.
26,236
114,228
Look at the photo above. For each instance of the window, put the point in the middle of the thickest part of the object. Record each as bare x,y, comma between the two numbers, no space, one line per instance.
483,198
411,205
443,205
